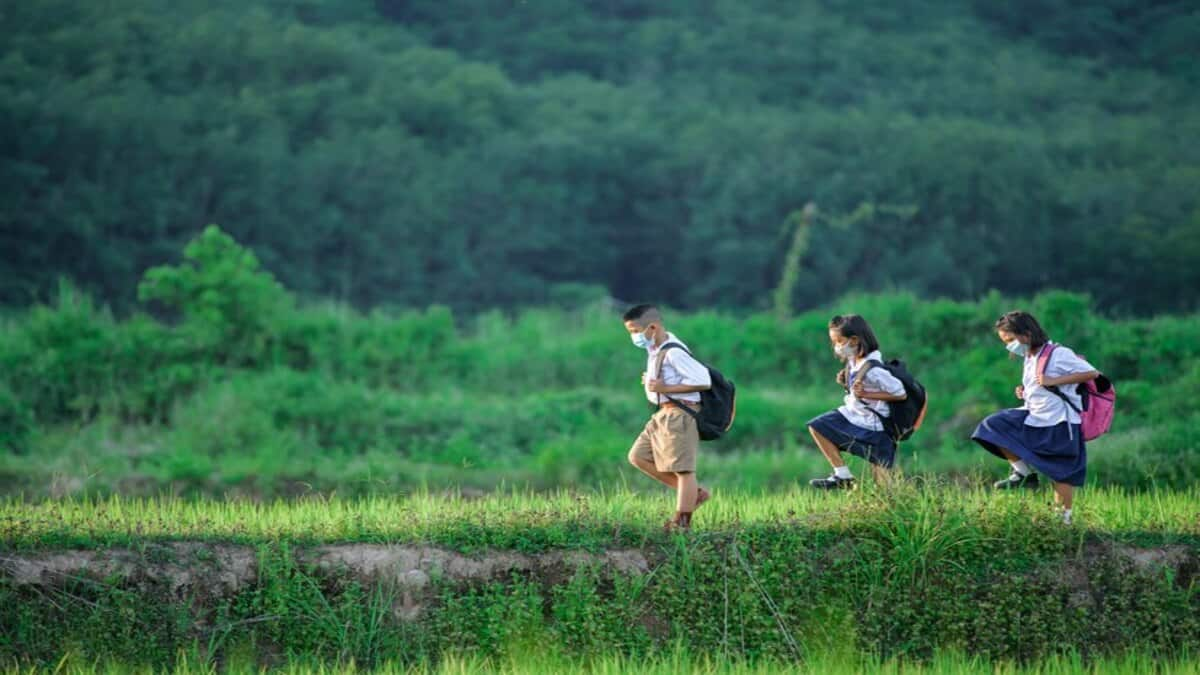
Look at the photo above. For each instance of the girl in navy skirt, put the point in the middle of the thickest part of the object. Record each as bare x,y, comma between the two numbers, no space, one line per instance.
1043,435
856,426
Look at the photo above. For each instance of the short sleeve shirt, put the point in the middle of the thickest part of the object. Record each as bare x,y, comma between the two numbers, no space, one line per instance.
679,367
1045,408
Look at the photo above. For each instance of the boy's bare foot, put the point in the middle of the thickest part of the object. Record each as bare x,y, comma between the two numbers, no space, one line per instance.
682,522
702,496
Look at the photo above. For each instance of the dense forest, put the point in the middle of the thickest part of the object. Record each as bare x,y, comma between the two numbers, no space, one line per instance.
499,153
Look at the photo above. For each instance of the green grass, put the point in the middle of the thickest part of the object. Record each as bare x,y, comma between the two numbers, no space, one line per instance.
532,521
544,661
955,579
106,458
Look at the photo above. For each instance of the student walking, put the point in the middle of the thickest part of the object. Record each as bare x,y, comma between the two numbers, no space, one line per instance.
667,447
857,425
1044,434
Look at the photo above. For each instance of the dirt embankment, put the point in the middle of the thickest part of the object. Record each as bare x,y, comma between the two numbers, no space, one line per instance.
197,571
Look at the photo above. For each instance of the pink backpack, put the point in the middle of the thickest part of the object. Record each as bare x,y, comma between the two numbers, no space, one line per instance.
1099,397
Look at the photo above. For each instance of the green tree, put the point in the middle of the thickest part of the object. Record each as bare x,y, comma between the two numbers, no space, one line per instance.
228,303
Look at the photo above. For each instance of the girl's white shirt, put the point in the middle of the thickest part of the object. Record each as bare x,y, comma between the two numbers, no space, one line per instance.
1045,408
857,411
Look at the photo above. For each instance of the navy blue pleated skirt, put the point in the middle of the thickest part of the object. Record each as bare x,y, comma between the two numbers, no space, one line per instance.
874,446
1057,451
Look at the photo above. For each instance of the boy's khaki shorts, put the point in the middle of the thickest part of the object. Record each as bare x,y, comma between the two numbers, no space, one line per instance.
670,440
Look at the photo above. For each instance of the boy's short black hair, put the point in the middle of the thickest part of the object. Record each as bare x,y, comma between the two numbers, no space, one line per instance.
642,314
853,325
1023,324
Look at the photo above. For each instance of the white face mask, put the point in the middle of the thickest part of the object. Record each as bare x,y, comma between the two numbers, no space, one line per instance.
1017,347
640,340
846,351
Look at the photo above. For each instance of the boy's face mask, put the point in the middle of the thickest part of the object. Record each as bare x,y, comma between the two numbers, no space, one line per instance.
1017,347
640,339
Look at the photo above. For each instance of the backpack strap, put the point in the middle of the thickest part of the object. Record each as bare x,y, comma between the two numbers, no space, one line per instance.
662,356
1044,357
885,422
1043,362
658,365
862,374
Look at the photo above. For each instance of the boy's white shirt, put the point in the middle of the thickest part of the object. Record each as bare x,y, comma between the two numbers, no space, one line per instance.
678,367
855,410
1045,408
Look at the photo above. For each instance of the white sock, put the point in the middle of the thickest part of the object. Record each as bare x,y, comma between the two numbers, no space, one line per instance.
1067,516
1021,467
842,472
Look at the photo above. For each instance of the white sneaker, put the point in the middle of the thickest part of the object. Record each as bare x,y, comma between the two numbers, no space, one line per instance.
1062,513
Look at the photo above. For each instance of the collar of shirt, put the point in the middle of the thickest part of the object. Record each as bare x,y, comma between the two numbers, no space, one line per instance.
854,370
653,349
1032,360
873,356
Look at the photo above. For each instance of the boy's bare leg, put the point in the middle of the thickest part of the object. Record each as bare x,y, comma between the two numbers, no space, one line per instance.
649,469
685,492
668,479
827,448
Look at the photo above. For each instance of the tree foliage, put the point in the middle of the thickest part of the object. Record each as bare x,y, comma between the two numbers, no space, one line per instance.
492,154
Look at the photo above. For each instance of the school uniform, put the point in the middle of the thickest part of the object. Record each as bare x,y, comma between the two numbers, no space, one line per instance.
855,426
671,439
1045,431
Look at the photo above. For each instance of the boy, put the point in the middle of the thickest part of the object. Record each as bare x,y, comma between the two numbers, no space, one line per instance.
666,448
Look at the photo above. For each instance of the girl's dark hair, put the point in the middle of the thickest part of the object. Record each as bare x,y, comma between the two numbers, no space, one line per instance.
853,325
1023,324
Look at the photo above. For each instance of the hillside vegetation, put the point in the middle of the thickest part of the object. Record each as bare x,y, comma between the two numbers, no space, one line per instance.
503,154
230,385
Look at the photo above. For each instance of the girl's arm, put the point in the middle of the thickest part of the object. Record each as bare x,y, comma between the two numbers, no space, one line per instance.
881,396
657,386
861,392
1073,378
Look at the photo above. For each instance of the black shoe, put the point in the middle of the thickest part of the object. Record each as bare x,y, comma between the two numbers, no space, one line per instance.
1015,481
832,483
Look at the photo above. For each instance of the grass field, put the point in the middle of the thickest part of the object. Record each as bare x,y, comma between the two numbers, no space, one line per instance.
680,661
535,522
914,577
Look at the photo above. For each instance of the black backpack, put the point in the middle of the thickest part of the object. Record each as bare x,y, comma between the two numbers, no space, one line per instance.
718,405
907,415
